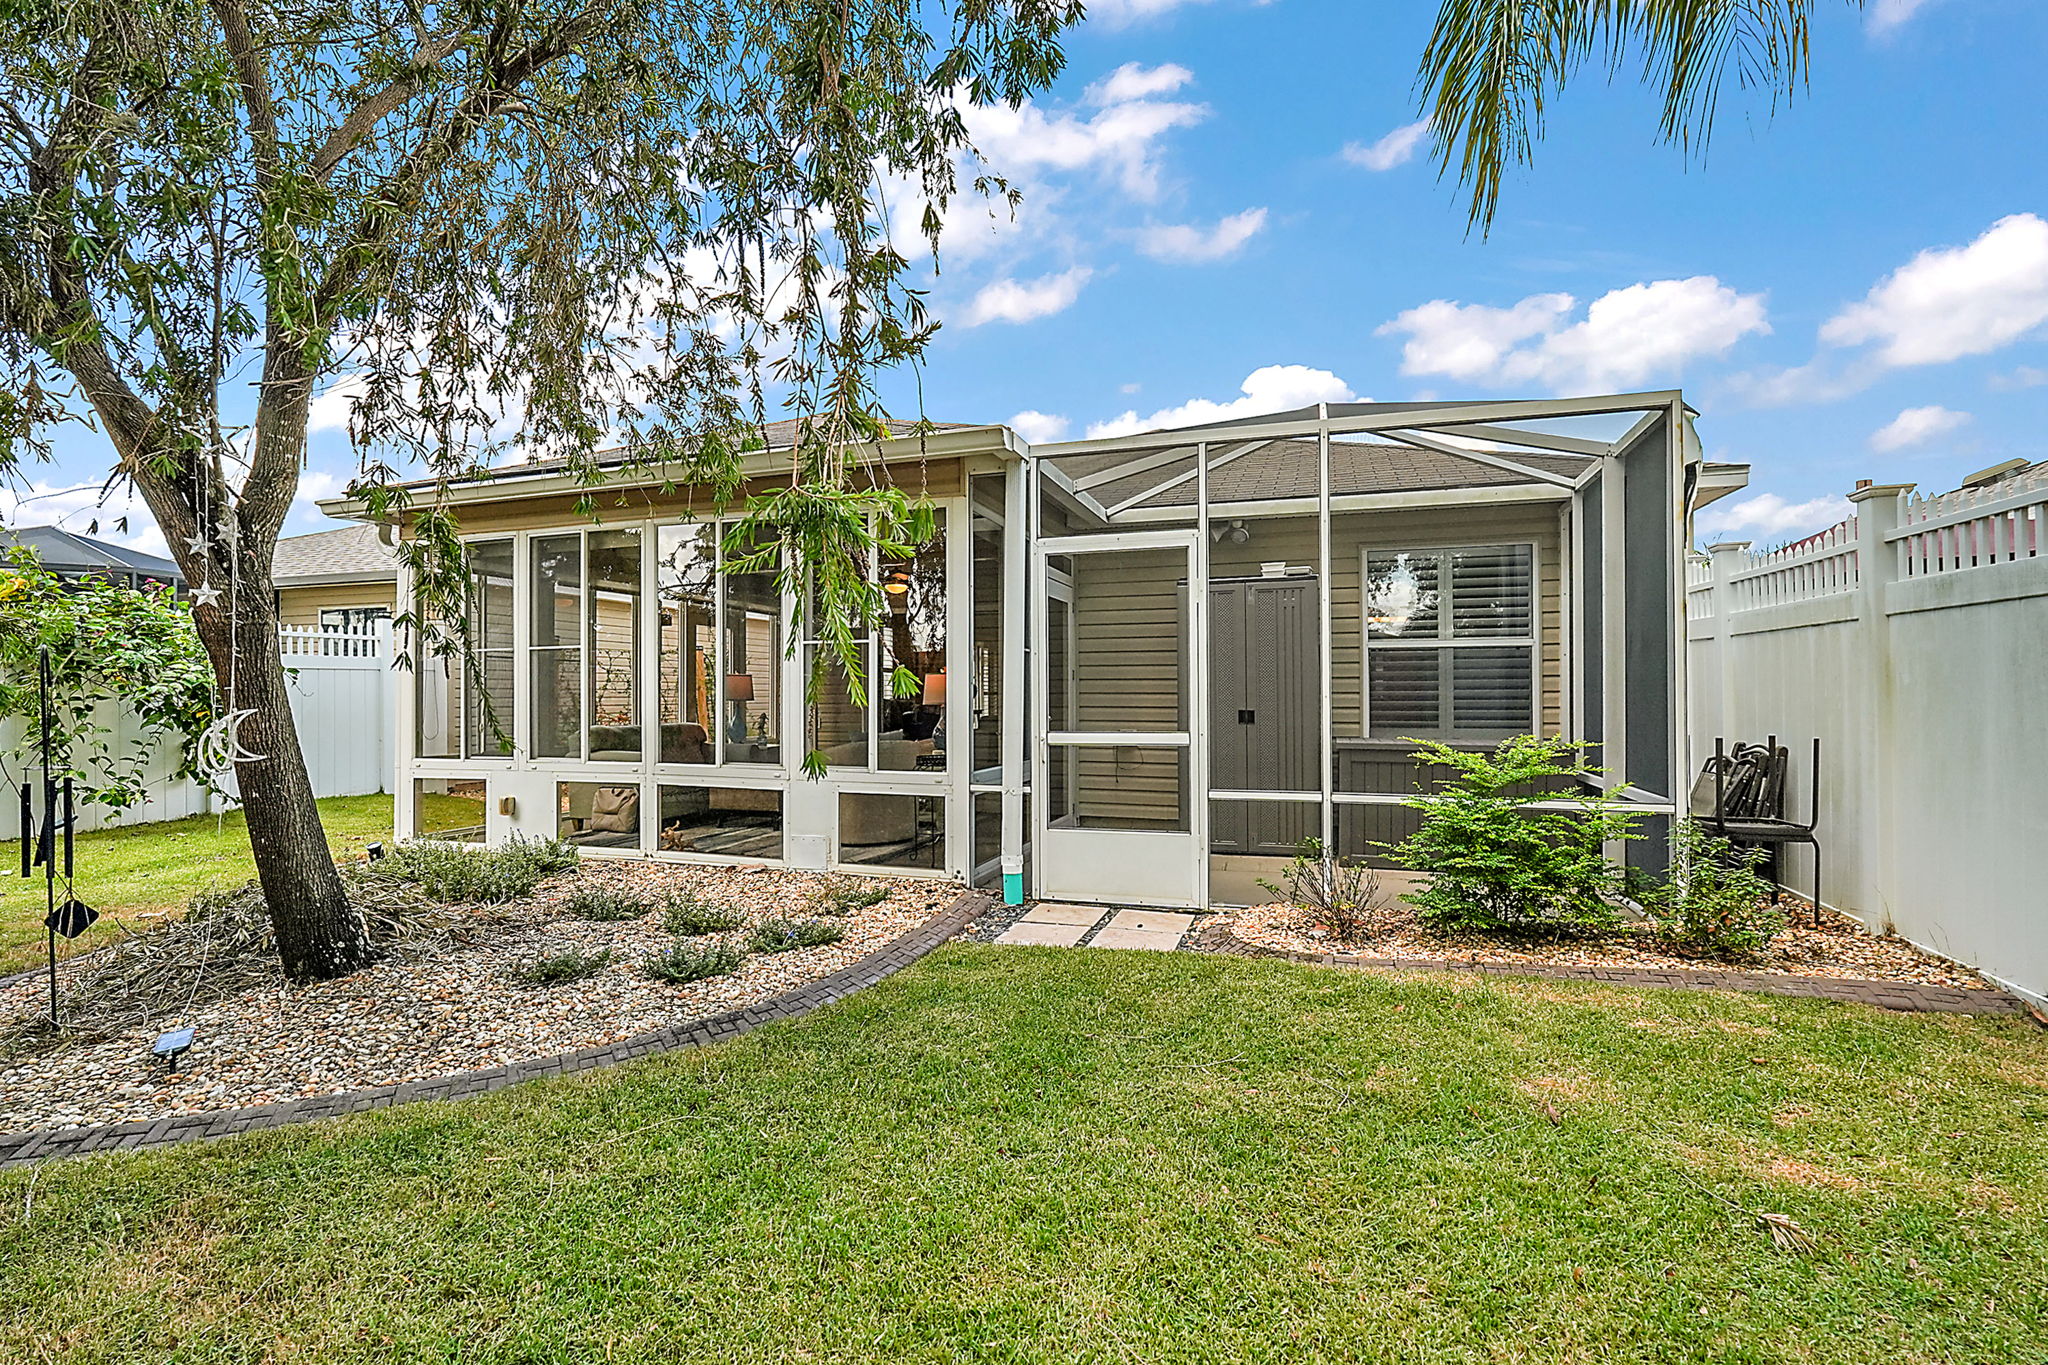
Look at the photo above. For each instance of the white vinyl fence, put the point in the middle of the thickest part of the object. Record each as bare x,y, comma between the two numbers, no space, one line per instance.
1913,640
342,701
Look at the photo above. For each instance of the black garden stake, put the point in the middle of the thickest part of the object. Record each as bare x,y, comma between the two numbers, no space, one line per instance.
73,917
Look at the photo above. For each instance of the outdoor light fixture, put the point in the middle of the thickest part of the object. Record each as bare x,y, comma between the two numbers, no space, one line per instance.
172,1045
376,852
896,582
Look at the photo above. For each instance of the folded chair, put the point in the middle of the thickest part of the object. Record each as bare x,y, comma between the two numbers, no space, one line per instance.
1748,804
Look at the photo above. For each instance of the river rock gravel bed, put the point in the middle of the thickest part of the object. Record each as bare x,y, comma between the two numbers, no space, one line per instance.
416,1018
1839,949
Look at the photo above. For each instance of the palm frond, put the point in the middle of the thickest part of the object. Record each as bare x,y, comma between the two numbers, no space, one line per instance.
1492,65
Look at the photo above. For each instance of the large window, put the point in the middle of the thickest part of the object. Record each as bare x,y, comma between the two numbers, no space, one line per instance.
557,646
721,652
464,699
1450,639
611,614
897,722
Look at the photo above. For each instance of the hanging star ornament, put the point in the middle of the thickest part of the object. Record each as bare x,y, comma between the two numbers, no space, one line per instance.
205,595
197,544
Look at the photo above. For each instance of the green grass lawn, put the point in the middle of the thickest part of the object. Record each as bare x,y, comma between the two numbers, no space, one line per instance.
137,873
1011,1154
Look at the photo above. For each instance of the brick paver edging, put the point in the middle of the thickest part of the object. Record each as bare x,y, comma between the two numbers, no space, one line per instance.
1885,995
19,1149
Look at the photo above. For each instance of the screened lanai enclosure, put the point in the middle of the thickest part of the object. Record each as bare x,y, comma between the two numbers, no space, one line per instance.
1145,668
1243,628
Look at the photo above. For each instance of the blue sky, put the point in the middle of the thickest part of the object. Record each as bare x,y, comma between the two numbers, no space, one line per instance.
1222,207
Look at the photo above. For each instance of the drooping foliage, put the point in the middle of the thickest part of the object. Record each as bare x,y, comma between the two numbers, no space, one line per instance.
491,228
1492,67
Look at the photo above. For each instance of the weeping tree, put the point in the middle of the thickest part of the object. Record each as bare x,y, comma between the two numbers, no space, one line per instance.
560,226
1492,66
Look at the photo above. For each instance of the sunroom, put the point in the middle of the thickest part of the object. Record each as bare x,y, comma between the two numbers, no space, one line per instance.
1145,668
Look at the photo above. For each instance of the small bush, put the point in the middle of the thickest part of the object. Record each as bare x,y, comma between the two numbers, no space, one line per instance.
1715,904
783,935
843,896
456,875
1493,865
687,962
558,968
1342,897
689,914
608,905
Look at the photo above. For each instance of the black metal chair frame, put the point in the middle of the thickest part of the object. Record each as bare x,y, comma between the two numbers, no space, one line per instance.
1772,831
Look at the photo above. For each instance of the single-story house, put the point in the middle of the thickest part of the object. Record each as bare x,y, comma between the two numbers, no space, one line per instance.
1148,665
70,555
345,579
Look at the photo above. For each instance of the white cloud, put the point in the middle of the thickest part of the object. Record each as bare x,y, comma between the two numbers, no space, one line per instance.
1885,15
1036,427
1187,245
1118,13
1008,300
1133,81
1626,337
2020,377
315,484
1119,140
1950,302
81,511
1395,149
1916,427
1766,516
329,410
1272,388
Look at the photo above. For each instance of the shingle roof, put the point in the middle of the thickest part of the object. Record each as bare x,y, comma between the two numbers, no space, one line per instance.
350,552
1287,469
63,551
779,435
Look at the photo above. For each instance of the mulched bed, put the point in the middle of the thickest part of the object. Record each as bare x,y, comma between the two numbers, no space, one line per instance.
1840,949
419,1015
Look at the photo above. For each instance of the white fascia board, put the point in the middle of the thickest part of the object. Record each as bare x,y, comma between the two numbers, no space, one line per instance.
510,484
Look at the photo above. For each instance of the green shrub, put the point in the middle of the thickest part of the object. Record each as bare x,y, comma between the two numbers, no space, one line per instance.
1493,866
558,968
689,914
456,874
687,962
1343,897
842,896
782,935
1714,904
608,904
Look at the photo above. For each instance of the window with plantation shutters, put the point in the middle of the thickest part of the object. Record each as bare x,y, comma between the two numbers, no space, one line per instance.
1450,642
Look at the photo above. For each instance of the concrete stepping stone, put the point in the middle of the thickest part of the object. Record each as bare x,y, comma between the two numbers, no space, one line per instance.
1156,931
1084,915
1044,935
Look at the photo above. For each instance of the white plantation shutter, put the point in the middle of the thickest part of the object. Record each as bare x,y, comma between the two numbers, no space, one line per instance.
1451,642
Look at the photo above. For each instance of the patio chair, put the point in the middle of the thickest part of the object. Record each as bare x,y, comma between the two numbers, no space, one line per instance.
1749,804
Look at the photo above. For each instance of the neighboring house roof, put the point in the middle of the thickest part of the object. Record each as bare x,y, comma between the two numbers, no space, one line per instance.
66,552
349,554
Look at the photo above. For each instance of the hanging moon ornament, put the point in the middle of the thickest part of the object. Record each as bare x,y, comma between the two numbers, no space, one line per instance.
221,747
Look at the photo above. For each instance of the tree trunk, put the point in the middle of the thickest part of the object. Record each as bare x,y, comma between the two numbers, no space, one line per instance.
319,934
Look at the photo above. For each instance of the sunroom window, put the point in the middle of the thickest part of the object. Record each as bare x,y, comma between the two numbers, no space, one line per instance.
721,652
1450,642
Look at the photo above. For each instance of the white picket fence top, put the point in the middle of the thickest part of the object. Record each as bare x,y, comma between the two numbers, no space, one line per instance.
1971,528
1821,565
302,646
1699,587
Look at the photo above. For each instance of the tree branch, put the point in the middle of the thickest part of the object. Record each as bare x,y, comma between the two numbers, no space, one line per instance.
255,82
364,118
